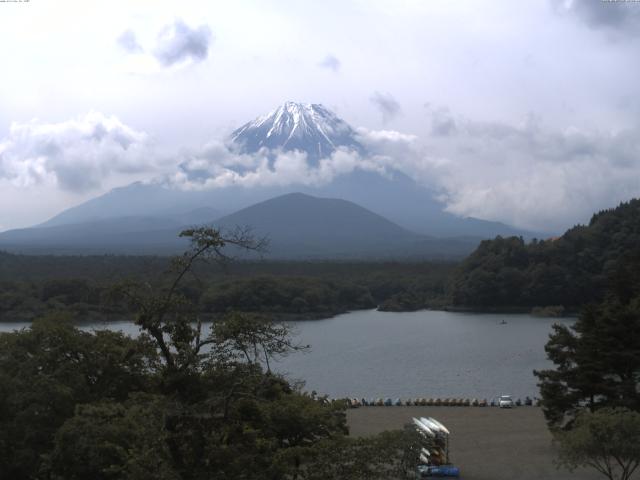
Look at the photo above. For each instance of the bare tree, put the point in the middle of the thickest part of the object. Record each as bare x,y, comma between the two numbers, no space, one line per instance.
254,339
166,314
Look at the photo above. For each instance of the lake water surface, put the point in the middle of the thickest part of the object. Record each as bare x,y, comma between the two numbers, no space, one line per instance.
417,354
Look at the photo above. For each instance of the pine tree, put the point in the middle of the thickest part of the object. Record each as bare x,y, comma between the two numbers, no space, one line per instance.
597,360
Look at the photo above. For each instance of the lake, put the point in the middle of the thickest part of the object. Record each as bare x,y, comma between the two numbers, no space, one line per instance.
413,354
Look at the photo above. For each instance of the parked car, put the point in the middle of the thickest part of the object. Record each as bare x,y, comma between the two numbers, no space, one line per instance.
505,401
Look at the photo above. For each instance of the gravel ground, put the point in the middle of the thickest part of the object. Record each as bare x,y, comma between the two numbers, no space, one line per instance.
486,443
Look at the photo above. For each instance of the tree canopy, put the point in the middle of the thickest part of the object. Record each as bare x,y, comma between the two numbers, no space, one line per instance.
32,286
597,361
572,270
607,440
591,398
176,402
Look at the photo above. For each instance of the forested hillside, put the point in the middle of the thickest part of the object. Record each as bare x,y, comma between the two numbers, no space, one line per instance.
571,271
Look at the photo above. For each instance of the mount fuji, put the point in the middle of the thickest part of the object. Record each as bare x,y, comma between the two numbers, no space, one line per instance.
308,128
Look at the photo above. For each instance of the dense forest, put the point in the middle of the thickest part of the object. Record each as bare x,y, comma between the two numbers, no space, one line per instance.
555,275
83,285
570,271
177,402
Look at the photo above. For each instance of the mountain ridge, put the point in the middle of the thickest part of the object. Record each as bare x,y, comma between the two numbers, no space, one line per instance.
299,226
394,196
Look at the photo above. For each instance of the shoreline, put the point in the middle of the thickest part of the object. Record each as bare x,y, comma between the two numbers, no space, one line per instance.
99,317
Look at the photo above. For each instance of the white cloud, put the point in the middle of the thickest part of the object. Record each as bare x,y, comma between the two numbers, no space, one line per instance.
218,166
76,155
525,175
531,176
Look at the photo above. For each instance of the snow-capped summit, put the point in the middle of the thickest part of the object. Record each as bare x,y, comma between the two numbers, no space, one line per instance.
308,127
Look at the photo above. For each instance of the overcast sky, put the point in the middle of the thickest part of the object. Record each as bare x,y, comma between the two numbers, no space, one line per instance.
526,112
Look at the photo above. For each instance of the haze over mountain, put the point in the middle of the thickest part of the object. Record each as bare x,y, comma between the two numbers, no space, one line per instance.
297,226
311,130
121,235
300,225
140,199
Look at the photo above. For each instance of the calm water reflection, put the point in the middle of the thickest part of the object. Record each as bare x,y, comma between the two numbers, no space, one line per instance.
427,353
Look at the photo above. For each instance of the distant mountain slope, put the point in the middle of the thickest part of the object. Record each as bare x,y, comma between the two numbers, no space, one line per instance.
196,216
299,215
306,127
399,199
405,202
130,235
298,226
571,270
313,129
139,200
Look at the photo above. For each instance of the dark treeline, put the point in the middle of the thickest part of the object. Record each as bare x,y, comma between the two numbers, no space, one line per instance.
570,271
34,285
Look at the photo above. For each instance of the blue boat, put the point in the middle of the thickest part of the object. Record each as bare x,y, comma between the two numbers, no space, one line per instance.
438,471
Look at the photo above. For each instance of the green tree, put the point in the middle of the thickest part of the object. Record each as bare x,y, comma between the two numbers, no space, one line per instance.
389,455
572,270
76,405
597,362
167,314
46,370
114,440
225,417
607,440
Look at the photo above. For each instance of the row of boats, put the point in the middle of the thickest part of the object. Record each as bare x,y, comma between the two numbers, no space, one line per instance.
430,402
447,402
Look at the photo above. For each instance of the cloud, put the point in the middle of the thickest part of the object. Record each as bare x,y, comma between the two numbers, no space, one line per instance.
76,155
388,148
178,43
615,16
525,174
387,105
522,174
217,165
528,175
128,41
442,121
330,62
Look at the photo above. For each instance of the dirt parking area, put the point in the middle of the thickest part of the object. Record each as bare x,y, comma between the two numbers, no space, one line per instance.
486,443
